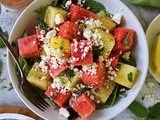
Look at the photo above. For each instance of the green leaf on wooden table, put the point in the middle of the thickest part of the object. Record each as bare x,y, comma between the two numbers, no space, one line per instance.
94,6
138,109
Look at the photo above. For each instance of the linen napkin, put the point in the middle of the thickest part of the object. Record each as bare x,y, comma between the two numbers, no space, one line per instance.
151,3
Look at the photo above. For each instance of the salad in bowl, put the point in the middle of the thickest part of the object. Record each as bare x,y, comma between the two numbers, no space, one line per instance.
80,57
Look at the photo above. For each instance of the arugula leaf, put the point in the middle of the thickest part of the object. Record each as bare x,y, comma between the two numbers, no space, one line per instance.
23,64
111,100
131,61
126,40
130,77
154,112
97,51
70,74
52,101
94,6
42,25
138,109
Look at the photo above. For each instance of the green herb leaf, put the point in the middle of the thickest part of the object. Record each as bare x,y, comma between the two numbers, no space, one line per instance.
23,64
10,87
123,95
25,33
94,6
61,77
131,61
52,101
97,51
154,112
79,82
5,55
83,24
130,77
97,90
2,45
7,11
82,90
126,40
3,87
70,74
42,25
111,100
2,79
138,109
61,48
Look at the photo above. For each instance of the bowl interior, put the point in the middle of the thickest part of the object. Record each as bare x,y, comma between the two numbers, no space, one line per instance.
151,33
27,20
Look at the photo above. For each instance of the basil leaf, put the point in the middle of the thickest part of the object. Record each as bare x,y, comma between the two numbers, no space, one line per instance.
126,40
82,90
130,77
138,109
154,111
61,79
111,100
94,6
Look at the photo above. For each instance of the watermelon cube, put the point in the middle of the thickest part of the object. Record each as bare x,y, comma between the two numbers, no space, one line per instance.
28,47
96,80
114,57
81,53
60,99
83,105
79,13
69,30
124,38
54,72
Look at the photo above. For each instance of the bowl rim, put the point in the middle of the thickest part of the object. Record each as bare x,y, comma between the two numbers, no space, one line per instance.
150,28
30,106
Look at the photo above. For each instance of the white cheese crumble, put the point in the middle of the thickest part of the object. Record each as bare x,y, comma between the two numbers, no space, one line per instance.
126,55
59,19
87,33
90,69
98,23
64,112
68,3
43,66
56,83
51,34
101,58
150,97
75,45
54,63
150,84
117,18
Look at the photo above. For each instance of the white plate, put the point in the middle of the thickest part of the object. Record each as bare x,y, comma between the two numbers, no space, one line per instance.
15,116
28,20
151,33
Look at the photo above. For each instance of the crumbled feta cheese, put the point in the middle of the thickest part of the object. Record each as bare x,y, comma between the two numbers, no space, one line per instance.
59,19
47,50
150,97
68,3
43,78
51,33
64,112
56,83
91,24
80,2
90,69
87,33
43,66
42,32
75,45
117,18
126,55
98,23
91,97
100,58
54,63
150,84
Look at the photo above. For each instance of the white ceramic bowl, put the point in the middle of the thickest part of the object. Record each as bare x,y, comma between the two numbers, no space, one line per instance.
28,20
151,33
